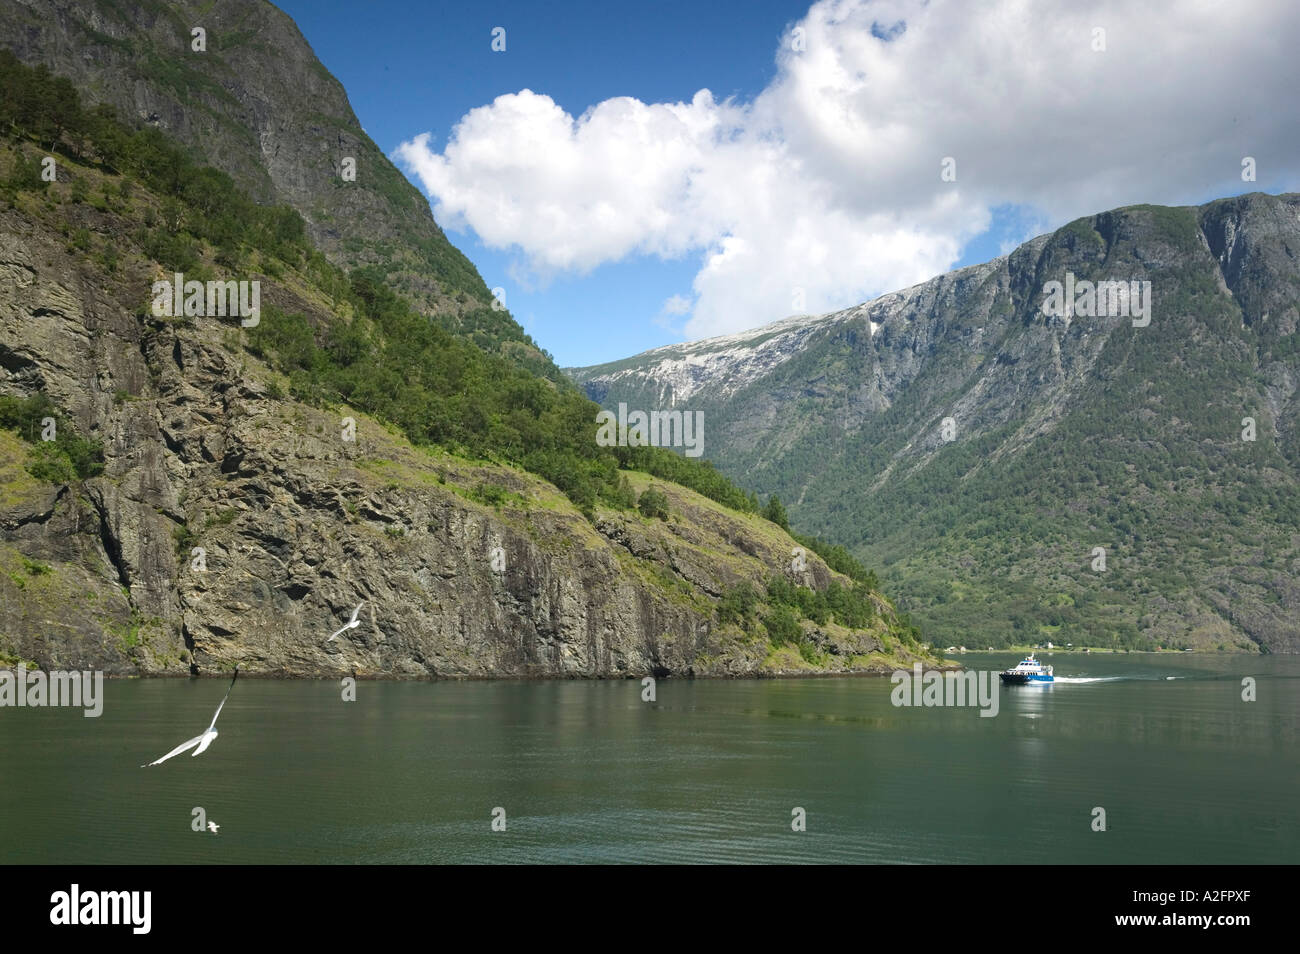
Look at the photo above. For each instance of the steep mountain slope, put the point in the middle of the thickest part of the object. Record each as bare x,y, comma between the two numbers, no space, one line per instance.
978,450
184,490
258,105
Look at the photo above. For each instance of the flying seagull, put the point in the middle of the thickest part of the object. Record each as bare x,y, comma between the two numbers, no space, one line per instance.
204,740
212,827
353,623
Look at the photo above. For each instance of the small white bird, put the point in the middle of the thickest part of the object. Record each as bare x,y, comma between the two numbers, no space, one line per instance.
213,826
353,623
204,740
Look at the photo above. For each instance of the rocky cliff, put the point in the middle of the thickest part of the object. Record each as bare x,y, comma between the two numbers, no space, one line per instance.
257,104
296,525
167,505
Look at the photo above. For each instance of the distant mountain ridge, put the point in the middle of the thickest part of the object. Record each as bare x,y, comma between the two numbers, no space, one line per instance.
722,365
1068,432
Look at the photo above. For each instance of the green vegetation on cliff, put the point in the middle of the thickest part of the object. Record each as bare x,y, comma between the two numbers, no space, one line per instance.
63,456
402,367
131,206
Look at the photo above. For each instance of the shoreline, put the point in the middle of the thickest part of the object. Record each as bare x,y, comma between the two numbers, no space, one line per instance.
1094,651
948,664
389,677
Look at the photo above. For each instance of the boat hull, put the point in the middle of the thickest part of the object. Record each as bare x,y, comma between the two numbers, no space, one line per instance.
1020,678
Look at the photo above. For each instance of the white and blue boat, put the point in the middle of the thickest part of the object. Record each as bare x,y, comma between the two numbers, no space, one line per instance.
1028,671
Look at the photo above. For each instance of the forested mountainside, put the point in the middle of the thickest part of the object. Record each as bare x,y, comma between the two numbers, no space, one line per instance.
183,489
1018,475
257,104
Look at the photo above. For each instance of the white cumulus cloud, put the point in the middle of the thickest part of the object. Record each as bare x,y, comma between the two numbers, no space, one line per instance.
825,189
677,305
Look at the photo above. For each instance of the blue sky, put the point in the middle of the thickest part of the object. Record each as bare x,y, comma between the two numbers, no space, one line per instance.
789,196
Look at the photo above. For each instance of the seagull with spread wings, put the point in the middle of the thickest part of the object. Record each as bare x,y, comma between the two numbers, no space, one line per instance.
204,740
353,623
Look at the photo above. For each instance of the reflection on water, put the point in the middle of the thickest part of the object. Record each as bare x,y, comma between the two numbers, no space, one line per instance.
586,771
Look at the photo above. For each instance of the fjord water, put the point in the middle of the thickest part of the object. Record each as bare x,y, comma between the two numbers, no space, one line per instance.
1186,771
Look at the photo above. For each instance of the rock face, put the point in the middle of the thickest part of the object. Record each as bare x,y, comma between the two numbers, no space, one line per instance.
257,104
233,526
977,450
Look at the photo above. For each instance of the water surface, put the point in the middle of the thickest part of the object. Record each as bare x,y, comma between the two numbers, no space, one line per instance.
586,772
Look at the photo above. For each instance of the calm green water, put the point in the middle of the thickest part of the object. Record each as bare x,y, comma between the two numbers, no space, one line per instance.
587,772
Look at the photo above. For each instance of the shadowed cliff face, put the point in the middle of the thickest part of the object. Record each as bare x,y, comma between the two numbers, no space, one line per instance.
255,104
258,105
977,450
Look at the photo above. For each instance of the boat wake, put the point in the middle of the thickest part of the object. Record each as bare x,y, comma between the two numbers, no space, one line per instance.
1085,679
1079,680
